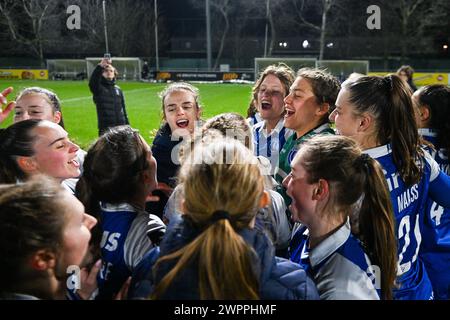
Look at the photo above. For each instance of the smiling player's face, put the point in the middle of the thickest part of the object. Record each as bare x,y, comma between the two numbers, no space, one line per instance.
54,153
270,97
181,111
35,106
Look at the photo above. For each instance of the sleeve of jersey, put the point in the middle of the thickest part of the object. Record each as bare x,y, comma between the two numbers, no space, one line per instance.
439,188
124,109
142,281
94,81
172,210
282,227
434,166
137,243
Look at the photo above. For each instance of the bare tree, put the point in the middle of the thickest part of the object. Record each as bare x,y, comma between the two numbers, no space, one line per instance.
429,22
221,12
273,30
130,27
326,8
436,15
405,10
272,12
30,23
224,7
323,7
145,36
413,24
123,20
245,45
90,38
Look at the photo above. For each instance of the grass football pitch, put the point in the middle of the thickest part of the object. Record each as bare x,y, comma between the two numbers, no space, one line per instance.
142,103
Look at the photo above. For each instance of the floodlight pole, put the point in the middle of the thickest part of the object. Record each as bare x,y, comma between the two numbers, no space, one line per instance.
156,36
208,34
267,28
106,29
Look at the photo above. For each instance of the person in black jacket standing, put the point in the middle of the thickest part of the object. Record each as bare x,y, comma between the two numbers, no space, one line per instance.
406,73
108,97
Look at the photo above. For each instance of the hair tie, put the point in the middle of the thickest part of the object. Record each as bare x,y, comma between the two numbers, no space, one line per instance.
364,157
219,215
363,160
388,83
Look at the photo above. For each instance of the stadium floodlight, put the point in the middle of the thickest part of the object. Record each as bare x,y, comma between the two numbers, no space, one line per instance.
267,27
156,35
208,35
106,29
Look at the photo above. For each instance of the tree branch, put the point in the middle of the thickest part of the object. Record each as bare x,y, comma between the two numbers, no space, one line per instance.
300,16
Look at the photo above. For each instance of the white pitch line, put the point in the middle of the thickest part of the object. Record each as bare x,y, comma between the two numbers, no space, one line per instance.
90,97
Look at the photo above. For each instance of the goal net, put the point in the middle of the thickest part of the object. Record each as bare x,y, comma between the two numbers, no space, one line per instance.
294,63
128,68
339,68
67,69
343,68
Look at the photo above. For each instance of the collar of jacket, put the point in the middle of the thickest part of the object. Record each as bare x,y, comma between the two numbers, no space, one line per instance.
180,234
108,82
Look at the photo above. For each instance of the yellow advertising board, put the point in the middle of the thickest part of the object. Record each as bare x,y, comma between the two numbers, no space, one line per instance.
23,74
422,78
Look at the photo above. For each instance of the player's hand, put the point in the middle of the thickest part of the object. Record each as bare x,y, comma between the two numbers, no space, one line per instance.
4,101
151,198
88,280
105,62
164,188
123,293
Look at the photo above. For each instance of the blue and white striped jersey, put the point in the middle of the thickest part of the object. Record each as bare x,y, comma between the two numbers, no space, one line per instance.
256,118
440,155
269,145
124,243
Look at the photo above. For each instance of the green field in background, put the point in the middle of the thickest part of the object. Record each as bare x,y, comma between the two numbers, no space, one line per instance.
142,103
